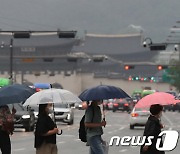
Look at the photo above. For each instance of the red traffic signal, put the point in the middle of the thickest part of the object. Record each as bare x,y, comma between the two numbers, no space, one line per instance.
161,67
127,67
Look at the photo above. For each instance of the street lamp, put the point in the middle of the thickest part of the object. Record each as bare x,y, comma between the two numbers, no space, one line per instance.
145,44
11,61
154,46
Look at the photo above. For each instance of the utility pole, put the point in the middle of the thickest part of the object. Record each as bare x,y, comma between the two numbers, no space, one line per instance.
11,61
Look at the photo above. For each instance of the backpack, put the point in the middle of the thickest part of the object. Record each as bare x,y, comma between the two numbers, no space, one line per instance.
82,129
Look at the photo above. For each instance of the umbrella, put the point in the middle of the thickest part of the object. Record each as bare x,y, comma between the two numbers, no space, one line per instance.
156,98
102,92
52,96
15,93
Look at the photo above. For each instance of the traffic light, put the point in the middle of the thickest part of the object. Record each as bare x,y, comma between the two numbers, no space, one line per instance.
21,34
161,67
67,34
133,78
157,46
72,59
127,67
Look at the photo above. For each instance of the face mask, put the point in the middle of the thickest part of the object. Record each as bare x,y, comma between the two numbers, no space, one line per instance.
51,110
160,115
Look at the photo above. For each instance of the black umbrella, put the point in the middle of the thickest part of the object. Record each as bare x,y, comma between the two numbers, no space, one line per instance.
102,92
15,93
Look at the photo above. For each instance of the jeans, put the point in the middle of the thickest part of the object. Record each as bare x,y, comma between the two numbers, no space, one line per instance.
95,143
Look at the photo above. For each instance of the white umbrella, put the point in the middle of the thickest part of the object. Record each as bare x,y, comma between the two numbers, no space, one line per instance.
52,96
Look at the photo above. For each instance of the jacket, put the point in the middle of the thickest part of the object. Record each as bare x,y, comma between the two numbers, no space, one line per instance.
152,128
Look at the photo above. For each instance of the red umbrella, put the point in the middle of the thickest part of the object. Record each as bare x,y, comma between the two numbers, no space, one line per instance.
156,98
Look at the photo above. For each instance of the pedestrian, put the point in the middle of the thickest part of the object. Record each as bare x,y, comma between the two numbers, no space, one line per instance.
153,128
46,130
94,124
6,128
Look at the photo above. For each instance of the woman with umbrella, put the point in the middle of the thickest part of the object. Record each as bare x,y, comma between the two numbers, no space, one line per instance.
6,128
94,124
153,128
46,130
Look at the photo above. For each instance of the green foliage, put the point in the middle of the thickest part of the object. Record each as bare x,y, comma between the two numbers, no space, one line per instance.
174,72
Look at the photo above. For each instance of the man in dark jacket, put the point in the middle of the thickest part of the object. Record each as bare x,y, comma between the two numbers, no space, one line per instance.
153,128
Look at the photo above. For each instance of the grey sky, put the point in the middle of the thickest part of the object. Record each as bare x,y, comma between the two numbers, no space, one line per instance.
156,17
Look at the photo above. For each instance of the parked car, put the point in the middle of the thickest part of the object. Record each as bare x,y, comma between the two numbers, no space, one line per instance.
123,104
64,113
23,118
138,117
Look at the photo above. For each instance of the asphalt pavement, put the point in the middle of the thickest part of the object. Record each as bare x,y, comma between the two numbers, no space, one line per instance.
117,125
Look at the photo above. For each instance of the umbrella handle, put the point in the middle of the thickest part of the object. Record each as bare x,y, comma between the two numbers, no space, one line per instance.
59,133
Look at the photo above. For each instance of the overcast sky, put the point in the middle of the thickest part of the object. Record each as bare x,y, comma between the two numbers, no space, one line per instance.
154,17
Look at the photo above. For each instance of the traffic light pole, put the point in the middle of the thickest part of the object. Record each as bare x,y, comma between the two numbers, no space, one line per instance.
179,50
11,61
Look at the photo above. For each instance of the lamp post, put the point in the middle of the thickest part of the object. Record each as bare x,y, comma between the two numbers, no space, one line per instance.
14,35
11,61
145,41
177,48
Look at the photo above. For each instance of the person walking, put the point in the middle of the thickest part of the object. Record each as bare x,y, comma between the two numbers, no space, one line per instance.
6,128
94,124
153,128
46,130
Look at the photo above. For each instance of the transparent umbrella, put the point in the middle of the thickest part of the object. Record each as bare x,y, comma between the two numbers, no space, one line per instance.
52,96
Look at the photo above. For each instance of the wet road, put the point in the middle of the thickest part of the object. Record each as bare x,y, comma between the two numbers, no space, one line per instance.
117,125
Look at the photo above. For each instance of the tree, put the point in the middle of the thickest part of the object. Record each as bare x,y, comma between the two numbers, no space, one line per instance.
174,72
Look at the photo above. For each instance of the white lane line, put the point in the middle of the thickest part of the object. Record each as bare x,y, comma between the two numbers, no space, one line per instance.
110,132
169,121
62,142
67,135
121,128
21,149
123,150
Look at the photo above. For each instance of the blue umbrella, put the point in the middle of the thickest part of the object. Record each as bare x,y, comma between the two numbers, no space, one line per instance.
102,92
15,93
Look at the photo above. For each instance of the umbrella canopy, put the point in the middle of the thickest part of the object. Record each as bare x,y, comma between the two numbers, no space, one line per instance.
15,94
102,92
52,96
156,98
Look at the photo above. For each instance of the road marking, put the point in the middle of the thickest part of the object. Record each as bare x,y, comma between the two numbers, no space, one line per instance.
62,142
110,132
21,149
121,128
169,121
123,150
67,135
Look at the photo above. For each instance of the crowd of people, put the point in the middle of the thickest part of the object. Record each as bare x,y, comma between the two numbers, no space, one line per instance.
46,129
